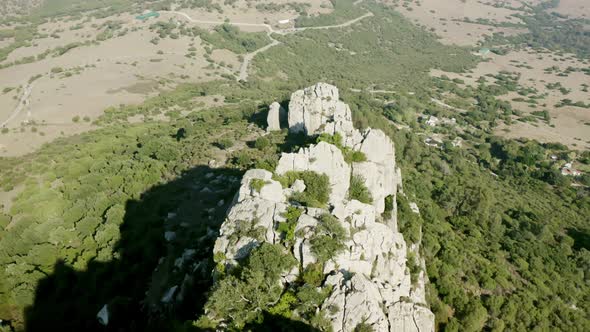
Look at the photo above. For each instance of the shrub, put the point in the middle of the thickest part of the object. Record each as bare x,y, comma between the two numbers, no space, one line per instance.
76,119
287,228
354,157
257,184
242,159
262,143
225,143
317,191
237,299
314,274
358,190
268,163
388,207
328,238
5,130
349,155
363,327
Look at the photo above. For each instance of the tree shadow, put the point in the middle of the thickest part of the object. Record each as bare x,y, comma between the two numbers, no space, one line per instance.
166,240
581,238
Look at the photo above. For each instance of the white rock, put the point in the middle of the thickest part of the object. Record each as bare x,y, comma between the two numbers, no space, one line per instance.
354,302
311,108
169,294
379,171
409,317
322,158
103,315
272,191
359,213
273,119
414,207
298,186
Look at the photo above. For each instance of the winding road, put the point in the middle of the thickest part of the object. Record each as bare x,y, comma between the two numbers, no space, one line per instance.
243,75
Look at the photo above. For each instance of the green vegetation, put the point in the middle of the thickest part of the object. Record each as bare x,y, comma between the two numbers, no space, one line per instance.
241,299
358,190
385,50
548,31
287,228
257,184
344,10
299,7
328,238
76,193
317,187
350,155
230,37
504,234
409,222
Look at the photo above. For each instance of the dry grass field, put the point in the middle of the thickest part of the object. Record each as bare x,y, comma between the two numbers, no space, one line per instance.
62,94
448,18
573,8
568,124
454,21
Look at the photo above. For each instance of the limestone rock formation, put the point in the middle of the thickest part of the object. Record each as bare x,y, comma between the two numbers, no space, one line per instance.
322,158
275,114
369,280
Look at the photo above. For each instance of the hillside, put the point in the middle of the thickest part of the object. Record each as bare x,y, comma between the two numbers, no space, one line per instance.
129,127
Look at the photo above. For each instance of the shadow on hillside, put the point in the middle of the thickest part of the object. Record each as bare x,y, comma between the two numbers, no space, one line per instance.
581,238
146,265
191,207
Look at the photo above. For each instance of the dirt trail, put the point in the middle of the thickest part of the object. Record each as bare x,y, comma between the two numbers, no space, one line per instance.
243,76
23,101
443,104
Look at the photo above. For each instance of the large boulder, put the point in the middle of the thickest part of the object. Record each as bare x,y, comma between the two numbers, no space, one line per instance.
275,115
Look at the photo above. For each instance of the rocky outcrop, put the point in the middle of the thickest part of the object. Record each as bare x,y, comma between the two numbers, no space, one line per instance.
275,114
369,280
322,158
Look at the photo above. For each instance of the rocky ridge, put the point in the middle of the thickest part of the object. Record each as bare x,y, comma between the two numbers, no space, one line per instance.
369,280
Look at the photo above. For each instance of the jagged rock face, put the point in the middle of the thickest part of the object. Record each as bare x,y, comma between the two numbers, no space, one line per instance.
410,317
322,158
354,301
275,114
379,170
312,107
317,109
370,281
